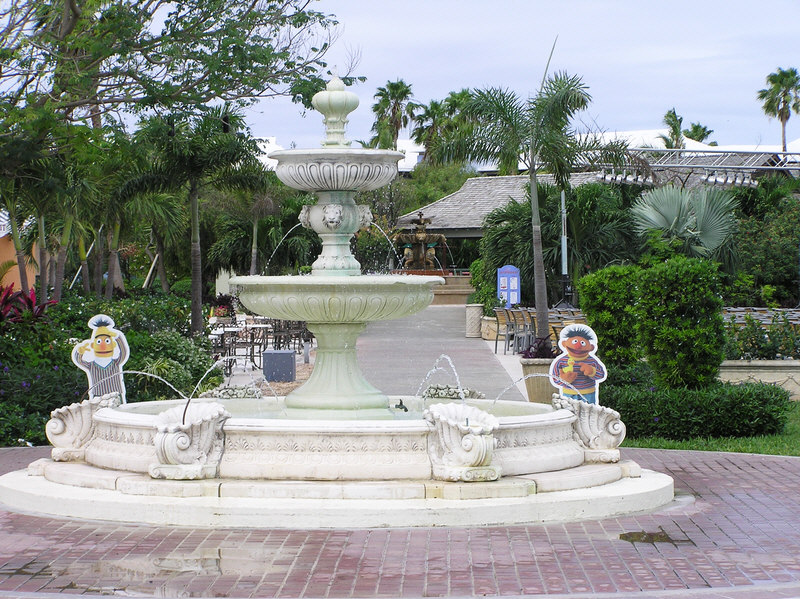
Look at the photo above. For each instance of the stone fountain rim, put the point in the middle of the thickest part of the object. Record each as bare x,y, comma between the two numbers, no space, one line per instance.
528,412
335,154
328,281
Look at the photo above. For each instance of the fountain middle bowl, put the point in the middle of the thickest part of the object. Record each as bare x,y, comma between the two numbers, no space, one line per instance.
336,299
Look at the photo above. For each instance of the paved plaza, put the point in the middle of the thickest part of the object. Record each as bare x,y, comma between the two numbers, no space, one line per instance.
733,530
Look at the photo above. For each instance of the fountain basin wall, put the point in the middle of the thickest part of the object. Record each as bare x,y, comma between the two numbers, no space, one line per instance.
264,441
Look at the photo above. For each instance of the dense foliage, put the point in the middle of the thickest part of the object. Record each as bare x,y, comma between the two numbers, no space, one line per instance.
779,340
679,322
37,374
608,300
719,410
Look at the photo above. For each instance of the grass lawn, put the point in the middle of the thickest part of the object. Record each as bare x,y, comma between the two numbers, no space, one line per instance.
786,443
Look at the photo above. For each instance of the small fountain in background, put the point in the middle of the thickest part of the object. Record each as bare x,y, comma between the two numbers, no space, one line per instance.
336,451
419,247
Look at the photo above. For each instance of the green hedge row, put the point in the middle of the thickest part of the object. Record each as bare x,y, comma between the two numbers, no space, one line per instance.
720,410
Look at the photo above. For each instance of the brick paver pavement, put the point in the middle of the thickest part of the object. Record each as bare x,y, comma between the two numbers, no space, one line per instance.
733,531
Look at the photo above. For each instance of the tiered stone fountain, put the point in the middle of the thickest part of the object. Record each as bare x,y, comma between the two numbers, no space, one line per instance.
336,451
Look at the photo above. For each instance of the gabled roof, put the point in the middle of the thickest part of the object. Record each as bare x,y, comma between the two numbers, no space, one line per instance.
461,214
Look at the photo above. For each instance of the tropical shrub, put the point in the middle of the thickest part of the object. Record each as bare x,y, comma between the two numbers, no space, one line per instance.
182,288
679,322
36,377
607,298
483,281
181,361
780,340
37,374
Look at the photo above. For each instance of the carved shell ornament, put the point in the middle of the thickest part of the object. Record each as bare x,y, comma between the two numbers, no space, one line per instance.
462,442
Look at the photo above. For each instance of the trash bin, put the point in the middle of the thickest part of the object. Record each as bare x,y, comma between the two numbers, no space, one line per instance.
278,365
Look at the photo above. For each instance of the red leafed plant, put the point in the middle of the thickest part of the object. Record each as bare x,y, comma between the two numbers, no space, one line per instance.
15,304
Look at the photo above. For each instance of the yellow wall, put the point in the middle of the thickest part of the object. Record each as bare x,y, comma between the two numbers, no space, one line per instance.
7,253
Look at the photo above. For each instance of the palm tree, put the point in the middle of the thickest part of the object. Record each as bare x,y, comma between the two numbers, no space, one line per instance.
430,123
536,132
699,222
393,110
782,97
699,133
192,153
674,138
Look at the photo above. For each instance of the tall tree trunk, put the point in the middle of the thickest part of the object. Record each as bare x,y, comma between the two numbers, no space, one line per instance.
160,268
783,134
99,252
43,279
87,289
197,271
113,260
254,248
23,271
539,277
61,262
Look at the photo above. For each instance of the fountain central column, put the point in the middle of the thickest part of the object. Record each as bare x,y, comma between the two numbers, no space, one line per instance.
336,301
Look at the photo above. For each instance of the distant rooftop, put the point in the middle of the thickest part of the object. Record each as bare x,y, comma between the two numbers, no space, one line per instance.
461,214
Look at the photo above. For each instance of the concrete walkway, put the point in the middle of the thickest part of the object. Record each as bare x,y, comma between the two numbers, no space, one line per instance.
732,532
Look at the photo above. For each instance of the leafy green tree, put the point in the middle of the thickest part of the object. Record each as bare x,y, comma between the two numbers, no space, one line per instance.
394,109
781,97
674,137
679,321
701,221
84,58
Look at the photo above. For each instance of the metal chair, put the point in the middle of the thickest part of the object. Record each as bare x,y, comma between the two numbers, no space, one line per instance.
505,327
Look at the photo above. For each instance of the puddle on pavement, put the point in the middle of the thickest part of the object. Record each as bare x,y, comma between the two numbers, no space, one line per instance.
653,538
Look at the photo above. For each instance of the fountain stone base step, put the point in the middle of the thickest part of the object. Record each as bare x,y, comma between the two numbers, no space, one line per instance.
118,496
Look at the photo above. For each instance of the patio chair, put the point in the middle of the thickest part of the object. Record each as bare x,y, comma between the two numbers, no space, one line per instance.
505,327
523,336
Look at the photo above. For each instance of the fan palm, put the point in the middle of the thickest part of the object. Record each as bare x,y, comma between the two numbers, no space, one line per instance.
701,222
782,97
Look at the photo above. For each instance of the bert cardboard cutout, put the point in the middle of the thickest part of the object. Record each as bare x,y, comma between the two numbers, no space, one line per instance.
577,371
102,357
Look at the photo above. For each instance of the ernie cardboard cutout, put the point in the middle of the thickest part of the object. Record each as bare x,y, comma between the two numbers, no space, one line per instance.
578,371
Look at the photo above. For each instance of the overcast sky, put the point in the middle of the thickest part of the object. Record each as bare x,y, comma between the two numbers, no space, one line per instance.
706,58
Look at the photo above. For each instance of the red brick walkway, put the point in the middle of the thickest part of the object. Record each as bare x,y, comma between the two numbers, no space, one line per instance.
734,531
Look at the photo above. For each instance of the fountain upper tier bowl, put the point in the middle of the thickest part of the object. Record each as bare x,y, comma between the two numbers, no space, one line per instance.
336,299
336,169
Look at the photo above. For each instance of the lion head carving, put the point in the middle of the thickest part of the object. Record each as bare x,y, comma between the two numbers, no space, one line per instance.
332,216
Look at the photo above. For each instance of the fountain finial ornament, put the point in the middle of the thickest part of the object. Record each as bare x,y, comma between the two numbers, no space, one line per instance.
335,103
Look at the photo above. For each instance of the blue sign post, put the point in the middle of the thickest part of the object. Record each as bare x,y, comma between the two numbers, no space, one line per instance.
508,285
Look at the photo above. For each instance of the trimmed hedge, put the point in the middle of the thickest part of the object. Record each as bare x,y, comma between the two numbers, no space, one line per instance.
608,298
720,410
